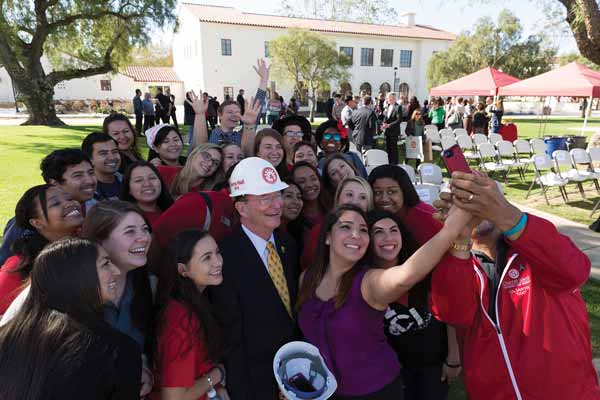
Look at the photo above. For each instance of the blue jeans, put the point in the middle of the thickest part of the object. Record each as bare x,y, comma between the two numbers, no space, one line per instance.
272,118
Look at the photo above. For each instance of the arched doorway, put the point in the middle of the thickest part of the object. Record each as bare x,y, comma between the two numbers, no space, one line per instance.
385,88
365,87
403,89
345,89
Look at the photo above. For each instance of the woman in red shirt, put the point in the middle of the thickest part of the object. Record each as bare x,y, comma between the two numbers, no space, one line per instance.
48,214
144,187
189,340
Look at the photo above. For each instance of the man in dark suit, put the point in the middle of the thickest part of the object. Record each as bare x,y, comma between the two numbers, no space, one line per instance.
391,127
241,101
364,125
260,283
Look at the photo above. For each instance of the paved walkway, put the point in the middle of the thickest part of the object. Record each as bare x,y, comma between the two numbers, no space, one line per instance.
587,240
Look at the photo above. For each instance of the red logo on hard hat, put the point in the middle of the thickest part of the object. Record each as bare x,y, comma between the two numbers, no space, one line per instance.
269,175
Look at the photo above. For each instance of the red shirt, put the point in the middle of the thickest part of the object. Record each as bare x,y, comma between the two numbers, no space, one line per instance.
168,173
11,283
182,354
420,223
152,216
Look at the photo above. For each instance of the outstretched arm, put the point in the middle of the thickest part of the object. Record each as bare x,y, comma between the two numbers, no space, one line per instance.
200,131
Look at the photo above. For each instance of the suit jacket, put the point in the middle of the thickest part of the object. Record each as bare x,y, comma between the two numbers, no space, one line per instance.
364,126
255,321
393,120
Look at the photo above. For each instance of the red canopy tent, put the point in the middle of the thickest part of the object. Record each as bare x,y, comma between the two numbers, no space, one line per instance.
485,82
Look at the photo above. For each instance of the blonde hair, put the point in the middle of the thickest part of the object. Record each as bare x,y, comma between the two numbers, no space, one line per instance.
182,183
362,182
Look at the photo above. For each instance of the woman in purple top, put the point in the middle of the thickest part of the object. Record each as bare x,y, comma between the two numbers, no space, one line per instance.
341,302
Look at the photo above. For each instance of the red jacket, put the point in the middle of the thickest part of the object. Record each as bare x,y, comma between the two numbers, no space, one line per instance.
540,348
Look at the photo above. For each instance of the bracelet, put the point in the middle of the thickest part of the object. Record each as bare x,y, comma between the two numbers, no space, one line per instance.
451,365
222,371
520,225
462,247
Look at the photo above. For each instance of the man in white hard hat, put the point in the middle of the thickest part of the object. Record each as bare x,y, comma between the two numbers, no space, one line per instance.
256,301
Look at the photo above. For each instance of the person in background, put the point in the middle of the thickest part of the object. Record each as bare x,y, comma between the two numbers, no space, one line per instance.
213,106
291,214
293,107
260,280
412,106
437,113
172,109
364,126
189,345
119,127
263,112
338,106
468,114
104,154
59,329
517,307
274,106
293,128
380,106
189,115
404,105
47,214
144,187
496,111
454,118
329,139
416,127
391,127
138,110
346,118
329,106
241,101
148,111
164,103
425,112
305,151
480,119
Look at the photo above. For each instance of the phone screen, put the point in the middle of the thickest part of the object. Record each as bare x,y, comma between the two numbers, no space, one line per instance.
455,160
301,383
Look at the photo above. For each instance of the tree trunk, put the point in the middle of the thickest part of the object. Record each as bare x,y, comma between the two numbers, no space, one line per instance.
583,17
38,94
312,106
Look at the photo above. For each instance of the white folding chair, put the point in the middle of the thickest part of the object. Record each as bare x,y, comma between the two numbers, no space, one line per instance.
494,138
430,173
479,138
428,193
448,142
467,147
376,157
410,171
523,148
460,132
489,159
436,140
594,153
537,146
582,157
507,156
403,128
352,147
431,127
446,132
541,163
565,168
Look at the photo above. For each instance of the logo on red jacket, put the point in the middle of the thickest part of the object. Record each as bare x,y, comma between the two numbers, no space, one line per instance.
513,273
269,175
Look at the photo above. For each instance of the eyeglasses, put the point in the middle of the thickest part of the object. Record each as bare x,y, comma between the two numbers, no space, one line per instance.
207,157
266,201
297,134
335,136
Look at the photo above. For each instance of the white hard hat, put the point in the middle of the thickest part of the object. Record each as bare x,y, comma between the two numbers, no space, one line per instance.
255,176
301,372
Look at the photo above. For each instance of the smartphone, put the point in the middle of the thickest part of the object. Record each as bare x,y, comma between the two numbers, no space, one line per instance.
300,382
455,160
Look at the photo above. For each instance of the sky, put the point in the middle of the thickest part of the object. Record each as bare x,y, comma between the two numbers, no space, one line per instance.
450,15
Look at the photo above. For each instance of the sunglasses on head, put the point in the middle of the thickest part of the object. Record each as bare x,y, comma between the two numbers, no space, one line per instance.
335,136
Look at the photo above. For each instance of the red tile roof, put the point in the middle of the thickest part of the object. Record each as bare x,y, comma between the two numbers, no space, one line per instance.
230,15
151,74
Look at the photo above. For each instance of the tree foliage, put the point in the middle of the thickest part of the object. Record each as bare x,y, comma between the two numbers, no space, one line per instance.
496,44
570,57
368,11
81,38
153,55
308,60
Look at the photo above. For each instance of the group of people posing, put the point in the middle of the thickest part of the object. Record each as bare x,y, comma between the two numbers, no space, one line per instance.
180,277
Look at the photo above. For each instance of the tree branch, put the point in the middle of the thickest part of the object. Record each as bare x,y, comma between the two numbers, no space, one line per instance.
583,17
91,16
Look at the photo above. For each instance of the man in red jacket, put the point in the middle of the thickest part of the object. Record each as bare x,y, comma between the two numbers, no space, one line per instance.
519,316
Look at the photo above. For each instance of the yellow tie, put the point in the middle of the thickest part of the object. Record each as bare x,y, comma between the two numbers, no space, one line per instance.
278,277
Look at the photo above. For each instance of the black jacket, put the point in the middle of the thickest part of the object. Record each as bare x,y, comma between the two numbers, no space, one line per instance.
255,321
393,120
364,126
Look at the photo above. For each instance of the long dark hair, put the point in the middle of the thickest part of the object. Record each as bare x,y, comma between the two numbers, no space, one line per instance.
47,330
160,137
295,228
32,242
396,173
417,295
315,273
326,178
324,199
99,223
173,286
164,200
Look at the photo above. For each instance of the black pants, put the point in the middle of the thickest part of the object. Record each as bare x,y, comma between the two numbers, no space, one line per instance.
391,146
392,391
165,117
148,122
174,120
423,383
139,117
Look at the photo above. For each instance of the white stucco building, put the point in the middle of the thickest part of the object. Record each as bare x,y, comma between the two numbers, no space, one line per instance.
215,48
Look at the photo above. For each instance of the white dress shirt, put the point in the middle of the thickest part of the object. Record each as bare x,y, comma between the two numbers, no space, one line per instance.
260,245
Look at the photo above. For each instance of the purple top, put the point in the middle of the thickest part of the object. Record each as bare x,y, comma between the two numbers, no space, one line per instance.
352,341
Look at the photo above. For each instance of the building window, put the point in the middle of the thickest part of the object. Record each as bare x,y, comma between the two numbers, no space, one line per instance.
366,57
105,85
61,85
228,91
405,58
225,47
387,57
349,52
267,55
